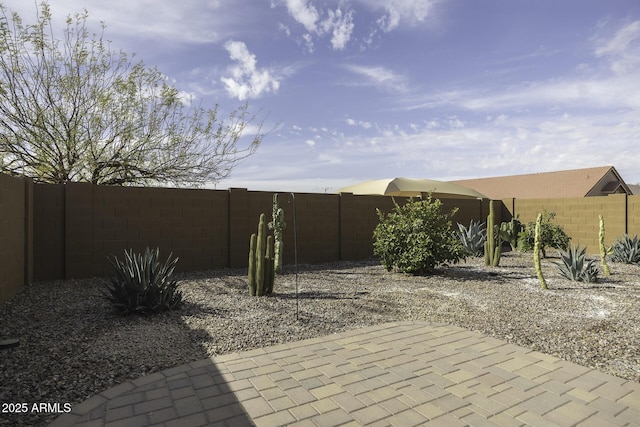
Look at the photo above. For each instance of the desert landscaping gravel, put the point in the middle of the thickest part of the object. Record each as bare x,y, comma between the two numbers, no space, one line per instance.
72,344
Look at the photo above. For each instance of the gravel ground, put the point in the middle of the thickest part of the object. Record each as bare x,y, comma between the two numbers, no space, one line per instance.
72,345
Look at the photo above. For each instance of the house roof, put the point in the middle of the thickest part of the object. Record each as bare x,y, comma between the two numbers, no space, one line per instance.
596,181
635,188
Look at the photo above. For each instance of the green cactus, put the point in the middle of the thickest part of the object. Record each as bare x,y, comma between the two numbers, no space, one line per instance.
509,232
269,267
252,265
604,251
536,252
492,246
277,225
261,270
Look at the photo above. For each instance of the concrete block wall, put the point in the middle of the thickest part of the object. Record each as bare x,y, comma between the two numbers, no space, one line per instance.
633,215
358,219
469,209
104,221
14,249
48,230
580,216
78,226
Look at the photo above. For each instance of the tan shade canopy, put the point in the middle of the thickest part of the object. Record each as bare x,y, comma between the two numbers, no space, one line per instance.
412,188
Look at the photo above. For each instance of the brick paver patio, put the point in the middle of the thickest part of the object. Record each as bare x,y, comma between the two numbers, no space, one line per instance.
395,374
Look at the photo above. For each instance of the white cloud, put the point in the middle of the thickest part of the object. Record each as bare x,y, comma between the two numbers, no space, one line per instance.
307,40
586,90
400,12
363,124
247,80
338,23
521,145
303,13
380,77
187,21
623,49
284,29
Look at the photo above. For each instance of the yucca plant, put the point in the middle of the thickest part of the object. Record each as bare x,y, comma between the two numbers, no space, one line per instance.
143,284
626,250
473,238
576,267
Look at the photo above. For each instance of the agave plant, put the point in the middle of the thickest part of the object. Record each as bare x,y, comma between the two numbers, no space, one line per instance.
626,250
143,284
473,238
576,267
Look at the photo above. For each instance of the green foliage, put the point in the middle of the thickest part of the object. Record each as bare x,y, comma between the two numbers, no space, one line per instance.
417,237
551,235
509,232
261,272
473,238
143,284
626,250
73,109
277,225
575,266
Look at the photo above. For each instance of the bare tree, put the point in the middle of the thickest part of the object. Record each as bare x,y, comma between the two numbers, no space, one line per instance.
72,109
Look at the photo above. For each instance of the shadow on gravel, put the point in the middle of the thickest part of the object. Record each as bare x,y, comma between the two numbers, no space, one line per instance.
73,346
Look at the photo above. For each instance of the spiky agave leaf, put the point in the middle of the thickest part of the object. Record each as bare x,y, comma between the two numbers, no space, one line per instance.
575,266
626,250
473,238
142,284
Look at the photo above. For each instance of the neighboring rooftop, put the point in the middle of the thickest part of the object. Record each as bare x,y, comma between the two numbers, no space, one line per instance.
598,181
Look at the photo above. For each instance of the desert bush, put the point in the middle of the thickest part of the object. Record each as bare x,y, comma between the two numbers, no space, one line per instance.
576,267
473,238
143,284
551,235
417,237
626,250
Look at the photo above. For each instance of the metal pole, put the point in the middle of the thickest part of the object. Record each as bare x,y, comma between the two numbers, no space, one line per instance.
295,248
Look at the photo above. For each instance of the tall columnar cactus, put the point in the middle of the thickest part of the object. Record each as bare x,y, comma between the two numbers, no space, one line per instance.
603,249
261,269
277,225
536,252
253,284
269,268
492,246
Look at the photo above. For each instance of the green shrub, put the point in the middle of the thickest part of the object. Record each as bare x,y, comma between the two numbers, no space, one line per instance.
551,235
473,238
576,267
143,284
417,237
626,250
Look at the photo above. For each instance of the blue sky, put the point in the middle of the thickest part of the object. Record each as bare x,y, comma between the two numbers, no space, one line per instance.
369,89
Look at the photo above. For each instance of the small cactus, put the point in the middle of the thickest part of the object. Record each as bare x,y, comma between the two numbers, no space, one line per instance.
536,252
492,246
509,232
261,270
253,285
277,225
603,249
